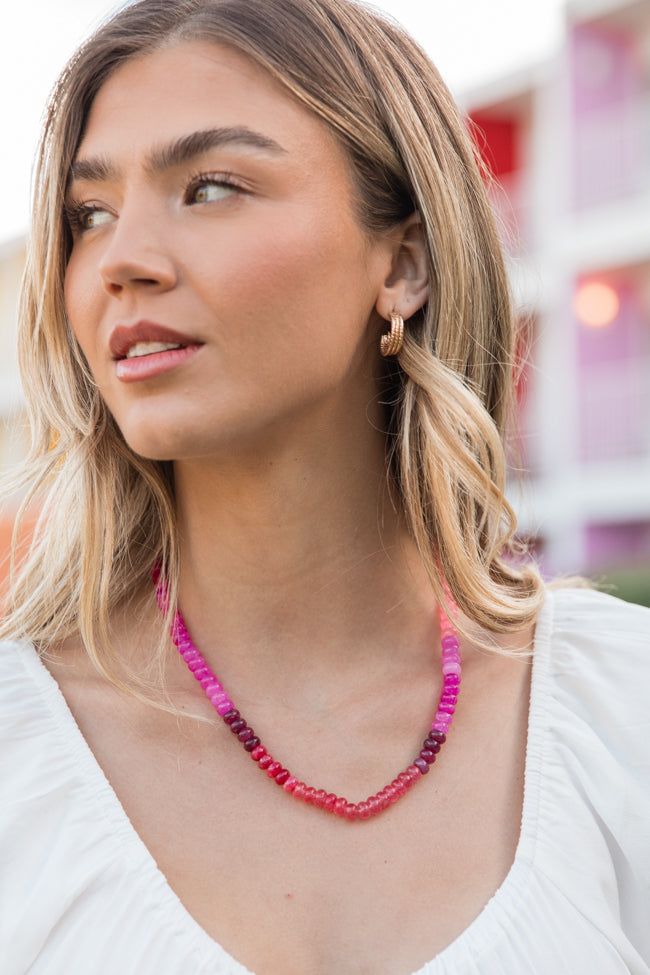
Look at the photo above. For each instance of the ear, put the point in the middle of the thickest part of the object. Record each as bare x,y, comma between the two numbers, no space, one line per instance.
406,287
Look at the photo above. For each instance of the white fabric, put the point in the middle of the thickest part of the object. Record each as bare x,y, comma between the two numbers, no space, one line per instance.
81,895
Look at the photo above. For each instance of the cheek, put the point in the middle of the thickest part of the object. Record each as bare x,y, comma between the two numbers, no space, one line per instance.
81,304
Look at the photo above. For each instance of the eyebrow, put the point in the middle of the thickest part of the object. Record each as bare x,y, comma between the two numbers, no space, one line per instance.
98,169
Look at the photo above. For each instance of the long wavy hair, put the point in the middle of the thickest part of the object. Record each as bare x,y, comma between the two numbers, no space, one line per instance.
106,514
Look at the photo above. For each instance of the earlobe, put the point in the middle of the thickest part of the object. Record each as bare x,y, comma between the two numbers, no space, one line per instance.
406,288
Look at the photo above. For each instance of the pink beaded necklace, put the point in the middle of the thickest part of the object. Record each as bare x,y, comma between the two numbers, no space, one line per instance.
330,802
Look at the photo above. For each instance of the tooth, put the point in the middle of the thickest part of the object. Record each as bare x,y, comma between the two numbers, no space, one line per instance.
148,348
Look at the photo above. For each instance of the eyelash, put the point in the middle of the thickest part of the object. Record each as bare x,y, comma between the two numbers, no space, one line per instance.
216,179
75,213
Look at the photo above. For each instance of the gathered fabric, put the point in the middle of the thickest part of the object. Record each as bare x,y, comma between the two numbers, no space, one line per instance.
79,891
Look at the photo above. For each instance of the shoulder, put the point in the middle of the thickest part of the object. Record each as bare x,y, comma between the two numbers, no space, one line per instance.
596,638
591,686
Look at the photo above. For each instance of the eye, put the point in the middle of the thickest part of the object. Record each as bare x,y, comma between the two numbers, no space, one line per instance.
211,188
86,216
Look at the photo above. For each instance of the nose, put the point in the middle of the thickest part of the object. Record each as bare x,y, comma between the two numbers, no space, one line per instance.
138,256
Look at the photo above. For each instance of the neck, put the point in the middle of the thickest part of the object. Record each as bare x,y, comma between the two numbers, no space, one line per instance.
298,565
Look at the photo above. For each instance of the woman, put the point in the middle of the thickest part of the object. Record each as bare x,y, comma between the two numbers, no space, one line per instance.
234,200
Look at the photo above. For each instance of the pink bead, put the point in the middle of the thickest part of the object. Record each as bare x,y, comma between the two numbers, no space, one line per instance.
210,685
374,805
340,806
415,772
363,810
299,790
446,708
310,792
450,642
319,797
290,784
330,802
350,811
224,707
451,668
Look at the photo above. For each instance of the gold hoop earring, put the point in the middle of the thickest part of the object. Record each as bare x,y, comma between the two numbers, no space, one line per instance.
391,343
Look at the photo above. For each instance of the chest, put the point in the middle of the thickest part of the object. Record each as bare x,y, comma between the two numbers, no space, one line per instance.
287,888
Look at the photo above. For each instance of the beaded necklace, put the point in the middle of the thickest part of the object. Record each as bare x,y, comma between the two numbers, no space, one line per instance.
330,802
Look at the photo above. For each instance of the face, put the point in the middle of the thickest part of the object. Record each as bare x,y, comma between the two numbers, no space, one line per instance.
219,284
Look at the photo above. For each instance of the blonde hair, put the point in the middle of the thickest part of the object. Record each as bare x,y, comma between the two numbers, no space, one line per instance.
108,514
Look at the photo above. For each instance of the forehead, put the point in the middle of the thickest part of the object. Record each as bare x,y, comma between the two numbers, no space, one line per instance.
194,85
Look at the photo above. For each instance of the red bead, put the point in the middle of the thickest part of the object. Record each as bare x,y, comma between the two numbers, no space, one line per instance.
432,745
350,811
273,769
237,725
438,736
282,776
384,798
252,744
231,716
245,733
299,790
415,772
258,752
422,765
374,804
290,784
340,806
265,760
428,756
363,810
319,797
330,802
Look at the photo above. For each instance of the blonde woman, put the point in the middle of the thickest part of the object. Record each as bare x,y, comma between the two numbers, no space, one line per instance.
266,341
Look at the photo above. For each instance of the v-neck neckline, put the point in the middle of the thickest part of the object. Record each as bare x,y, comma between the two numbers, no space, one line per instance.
131,844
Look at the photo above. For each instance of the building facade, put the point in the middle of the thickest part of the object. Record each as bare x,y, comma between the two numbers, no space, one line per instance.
569,146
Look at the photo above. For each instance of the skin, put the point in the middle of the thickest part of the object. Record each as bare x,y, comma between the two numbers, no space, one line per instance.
299,581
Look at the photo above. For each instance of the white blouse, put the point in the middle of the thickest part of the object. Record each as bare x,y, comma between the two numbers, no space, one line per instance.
81,895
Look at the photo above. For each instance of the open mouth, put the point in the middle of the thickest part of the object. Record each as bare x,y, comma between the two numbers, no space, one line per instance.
150,348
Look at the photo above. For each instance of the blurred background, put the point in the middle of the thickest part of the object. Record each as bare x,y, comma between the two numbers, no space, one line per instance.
558,99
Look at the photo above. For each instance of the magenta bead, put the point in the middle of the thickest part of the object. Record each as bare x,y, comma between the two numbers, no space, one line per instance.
338,805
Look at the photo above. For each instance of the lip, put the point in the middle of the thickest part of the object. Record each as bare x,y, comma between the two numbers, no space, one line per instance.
140,368
124,337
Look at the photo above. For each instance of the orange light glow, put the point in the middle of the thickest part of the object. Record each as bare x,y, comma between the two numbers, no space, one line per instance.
596,304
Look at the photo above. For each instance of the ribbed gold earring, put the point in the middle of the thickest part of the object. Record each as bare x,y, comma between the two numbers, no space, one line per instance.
391,343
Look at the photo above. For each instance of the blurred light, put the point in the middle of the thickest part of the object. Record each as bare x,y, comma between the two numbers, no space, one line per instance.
596,304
